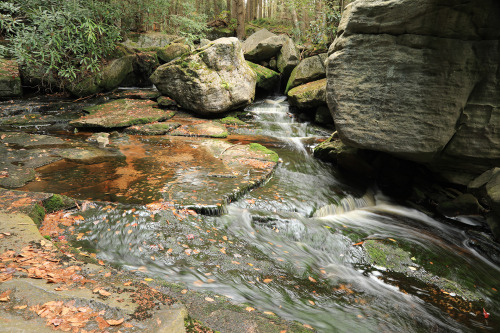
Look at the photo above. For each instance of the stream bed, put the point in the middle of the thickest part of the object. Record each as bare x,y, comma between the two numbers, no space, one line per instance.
306,244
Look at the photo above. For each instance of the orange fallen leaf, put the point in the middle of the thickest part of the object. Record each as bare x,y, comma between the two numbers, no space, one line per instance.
249,309
308,326
102,323
208,299
223,250
312,279
358,244
311,302
108,274
104,292
184,291
112,322
267,280
20,307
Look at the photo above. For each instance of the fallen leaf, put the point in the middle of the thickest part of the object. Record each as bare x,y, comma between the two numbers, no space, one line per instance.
485,314
108,274
270,313
267,280
128,283
312,279
358,244
308,326
148,279
184,291
104,292
208,299
20,307
112,322
249,309
223,250
311,302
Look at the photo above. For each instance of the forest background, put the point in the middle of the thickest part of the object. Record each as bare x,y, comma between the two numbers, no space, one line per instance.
70,38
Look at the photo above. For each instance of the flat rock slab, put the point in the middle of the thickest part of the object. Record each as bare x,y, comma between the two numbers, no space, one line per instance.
207,129
25,140
153,129
136,94
121,113
225,174
88,155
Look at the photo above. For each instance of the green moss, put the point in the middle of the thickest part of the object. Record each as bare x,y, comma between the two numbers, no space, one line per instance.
260,148
57,202
37,215
231,121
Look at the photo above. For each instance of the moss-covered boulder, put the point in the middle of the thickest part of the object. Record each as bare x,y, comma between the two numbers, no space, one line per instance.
308,70
108,79
152,129
210,80
10,80
309,95
121,113
172,51
267,79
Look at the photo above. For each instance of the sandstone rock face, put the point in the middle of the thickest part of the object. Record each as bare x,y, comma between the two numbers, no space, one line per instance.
262,45
211,79
420,79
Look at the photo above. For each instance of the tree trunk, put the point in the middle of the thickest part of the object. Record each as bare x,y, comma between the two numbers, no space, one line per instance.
216,9
240,29
228,9
261,9
295,19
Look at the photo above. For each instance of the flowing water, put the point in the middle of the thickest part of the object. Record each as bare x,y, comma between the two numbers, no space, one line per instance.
306,246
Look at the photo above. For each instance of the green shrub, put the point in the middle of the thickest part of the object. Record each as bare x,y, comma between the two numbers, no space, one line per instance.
61,39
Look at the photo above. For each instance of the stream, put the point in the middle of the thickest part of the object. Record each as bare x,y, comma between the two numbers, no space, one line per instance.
306,245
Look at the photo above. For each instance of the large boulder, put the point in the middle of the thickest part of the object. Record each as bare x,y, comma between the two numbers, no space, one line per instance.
262,45
288,58
310,69
309,95
110,77
10,80
267,79
420,80
211,79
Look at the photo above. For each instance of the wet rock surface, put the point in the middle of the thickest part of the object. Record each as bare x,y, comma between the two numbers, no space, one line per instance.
121,113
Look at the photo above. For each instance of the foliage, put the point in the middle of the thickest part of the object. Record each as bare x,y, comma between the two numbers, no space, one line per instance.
192,26
57,38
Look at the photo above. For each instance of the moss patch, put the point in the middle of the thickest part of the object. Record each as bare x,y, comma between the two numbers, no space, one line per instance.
260,148
266,78
37,214
231,121
57,202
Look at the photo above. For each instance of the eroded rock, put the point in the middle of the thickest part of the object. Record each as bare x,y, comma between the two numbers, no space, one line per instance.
400,83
